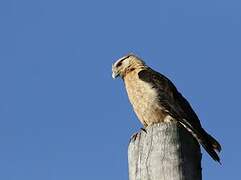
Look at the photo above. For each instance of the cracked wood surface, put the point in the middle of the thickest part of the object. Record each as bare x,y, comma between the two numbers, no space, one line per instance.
166,151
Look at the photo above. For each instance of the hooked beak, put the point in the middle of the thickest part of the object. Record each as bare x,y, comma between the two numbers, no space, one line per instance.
115,73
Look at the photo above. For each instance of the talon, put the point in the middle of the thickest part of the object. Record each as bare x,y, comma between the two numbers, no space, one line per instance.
134,136
143,129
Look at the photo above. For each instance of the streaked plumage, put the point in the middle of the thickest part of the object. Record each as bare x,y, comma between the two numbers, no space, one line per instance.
155,99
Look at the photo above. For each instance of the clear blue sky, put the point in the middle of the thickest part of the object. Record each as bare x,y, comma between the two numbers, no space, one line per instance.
61,114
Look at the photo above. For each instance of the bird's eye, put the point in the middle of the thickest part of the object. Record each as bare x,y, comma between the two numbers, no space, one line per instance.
119,64
121,60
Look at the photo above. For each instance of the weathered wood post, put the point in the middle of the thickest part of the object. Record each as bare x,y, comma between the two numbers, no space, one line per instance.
166,151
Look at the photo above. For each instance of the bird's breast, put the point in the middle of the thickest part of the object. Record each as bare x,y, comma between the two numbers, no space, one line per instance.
144,99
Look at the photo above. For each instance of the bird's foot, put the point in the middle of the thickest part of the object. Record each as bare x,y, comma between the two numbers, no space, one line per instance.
143,129
134,136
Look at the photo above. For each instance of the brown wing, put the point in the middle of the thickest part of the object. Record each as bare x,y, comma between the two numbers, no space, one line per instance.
179,108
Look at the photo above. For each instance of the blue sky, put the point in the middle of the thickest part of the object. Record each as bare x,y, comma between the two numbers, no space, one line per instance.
63,117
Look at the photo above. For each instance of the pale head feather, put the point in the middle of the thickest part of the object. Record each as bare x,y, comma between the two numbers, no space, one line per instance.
125,64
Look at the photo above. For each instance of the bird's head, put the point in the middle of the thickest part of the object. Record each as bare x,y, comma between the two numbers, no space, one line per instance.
126,64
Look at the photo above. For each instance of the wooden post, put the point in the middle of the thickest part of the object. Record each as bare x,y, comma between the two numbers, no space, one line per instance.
166,151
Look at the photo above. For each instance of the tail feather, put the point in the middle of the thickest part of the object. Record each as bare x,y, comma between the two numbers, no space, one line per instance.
210,150
210,144
215,143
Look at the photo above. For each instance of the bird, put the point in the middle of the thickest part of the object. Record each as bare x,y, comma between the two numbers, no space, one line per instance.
155,99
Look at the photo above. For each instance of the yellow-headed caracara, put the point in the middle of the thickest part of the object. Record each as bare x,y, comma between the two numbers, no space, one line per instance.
155,99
